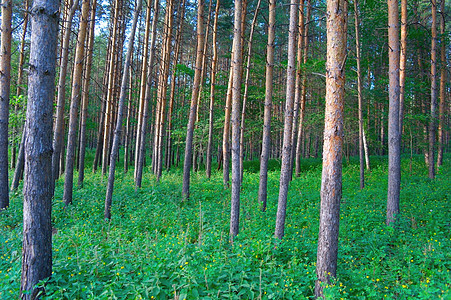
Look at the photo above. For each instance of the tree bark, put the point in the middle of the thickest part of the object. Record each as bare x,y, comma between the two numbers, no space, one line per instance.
266,139
38,185
433,116
394,159
5,85
75,102
442,86
331,180
120,114
285,171
402,62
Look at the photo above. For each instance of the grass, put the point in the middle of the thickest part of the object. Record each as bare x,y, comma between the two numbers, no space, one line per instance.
157,247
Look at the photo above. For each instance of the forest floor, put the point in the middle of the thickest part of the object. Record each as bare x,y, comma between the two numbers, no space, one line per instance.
157,247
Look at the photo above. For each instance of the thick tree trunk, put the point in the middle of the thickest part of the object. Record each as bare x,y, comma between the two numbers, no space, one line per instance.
85,94
212,92
285,172
266,139
236,98
442,86
194,96
38,185
394,137
5,85
58,138
120,114
331,180
433,116
75,102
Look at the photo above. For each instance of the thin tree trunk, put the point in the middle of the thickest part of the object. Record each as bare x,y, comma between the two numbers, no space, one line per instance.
85,94
285,171
75,101
266,139
402,62
394,159
194,96
58,139
212,91
226,132
38,184
128,124
432,121
331,179
120,113
442,86
18,171
5,85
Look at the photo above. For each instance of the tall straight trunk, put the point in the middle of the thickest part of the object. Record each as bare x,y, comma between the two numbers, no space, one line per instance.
402,62
120,114
212,92
246,86
58,138
75,101
331,179
432,121
285,171
142,146
38,185
359,95
394,137
142,90
85,94
226,132
236,98
442,85
266,139
194,96
128,124
5,85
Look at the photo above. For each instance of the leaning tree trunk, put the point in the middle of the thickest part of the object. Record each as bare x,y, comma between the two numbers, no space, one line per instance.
194,96
266,139
75,102
442,85
432,122
5,84
285,172
331,179
38,184
394,159
120,114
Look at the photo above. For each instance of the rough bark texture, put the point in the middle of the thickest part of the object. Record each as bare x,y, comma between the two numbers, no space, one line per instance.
75,103
394,137
285,172
433,116
120,114
331,180
38,192
266,139
236,99
442,86
194,96
5,84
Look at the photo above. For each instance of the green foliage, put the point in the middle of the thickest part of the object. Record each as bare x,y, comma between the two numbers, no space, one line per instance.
158,247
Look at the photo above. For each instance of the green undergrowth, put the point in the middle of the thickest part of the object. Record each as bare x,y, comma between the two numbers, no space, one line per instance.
158,247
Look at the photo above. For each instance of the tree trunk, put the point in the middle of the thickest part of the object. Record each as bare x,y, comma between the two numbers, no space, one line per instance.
226,132
120,114
285,171
402,62
5,85
331,180
18,171
58,138
394,159
75,101
266,139
38,184
442,86
85,94
432,122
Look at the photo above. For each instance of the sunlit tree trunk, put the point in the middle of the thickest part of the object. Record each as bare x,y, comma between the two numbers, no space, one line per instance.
285,172
394,137
266,139
120,114
5,85
433,116
226,132
75,102
402,62
442,85
38,183
331,179
194,96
